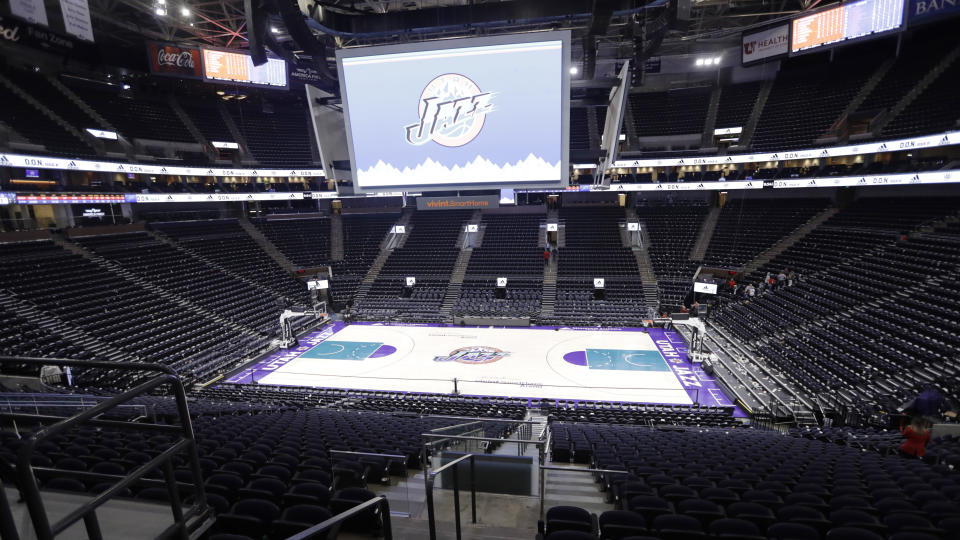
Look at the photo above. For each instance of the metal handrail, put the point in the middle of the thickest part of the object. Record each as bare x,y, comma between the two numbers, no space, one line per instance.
11,405
427,445
403,459
434,438
367,454
521,443
478,419
445,428
578,469
380,502
489,439
8,526
430,478
27,480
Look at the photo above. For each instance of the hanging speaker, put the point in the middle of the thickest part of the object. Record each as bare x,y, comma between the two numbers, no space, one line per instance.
256,15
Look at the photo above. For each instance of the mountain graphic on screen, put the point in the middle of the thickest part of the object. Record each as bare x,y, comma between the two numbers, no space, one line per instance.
480,169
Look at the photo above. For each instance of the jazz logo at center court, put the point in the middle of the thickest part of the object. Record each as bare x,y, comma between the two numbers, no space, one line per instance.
478,354
452,109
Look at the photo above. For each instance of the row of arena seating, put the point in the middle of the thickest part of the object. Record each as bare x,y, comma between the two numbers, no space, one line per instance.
190,278
593,248
370,400
635,414
873,312
256,464
214,271
429,252
271,468
673,230
362,236
751,484
746,227
112,315
225,243
510,248
305,241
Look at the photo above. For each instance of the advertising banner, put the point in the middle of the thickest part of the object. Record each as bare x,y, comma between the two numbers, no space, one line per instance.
68,198
32,10
766,44
458,203
303,73
174,61
213,197
913,143
21,32
44,162
936,177
76,18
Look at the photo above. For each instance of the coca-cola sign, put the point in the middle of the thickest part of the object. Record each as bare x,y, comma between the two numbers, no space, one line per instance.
174,60
184,59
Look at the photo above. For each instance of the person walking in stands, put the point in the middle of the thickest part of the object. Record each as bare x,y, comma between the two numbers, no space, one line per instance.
546,256
917,435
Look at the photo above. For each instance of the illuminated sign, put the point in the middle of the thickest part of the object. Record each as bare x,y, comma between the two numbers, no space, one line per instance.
238,67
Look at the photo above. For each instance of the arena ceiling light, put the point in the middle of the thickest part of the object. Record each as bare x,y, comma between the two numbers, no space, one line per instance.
185,11
574,70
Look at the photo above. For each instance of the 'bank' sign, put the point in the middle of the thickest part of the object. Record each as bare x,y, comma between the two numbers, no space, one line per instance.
922,11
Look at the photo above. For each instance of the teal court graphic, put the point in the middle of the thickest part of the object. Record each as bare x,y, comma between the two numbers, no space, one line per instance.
628,360
342,350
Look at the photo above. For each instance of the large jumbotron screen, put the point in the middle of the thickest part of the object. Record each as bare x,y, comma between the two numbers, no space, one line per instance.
478,112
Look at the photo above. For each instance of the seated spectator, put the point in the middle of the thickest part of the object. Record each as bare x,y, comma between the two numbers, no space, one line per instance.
917,435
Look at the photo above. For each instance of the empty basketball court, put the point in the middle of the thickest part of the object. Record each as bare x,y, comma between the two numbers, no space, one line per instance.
575,363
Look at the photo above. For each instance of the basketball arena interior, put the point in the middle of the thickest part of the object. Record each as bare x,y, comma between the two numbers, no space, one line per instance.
479,269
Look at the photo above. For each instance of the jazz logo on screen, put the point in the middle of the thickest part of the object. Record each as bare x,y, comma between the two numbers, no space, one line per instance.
452,109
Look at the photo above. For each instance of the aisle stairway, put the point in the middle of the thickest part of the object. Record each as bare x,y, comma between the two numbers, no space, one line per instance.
460,268
389,243
706,233
573,488
787,241
548,296
746,137
336,237
266,245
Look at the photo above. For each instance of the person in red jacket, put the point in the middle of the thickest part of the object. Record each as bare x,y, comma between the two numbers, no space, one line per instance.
917,435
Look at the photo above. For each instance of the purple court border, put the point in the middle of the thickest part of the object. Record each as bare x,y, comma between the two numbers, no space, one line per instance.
701,387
